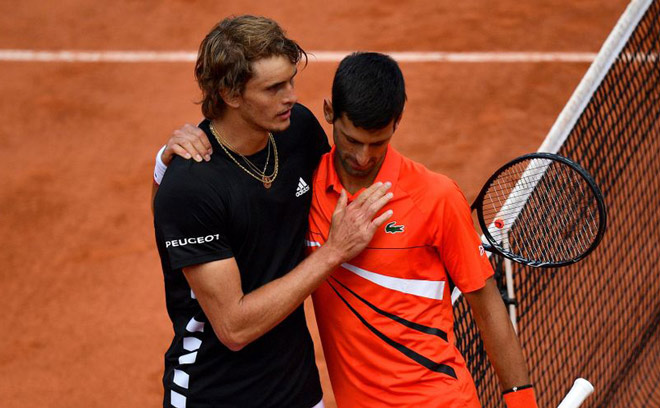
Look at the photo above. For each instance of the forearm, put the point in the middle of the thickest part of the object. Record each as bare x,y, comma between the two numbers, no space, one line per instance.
250,316
351,230
159,171
154,190
239,318
503,348
499,337
262,309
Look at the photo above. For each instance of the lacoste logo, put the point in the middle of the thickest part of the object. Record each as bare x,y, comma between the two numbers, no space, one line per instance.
302,187
392,228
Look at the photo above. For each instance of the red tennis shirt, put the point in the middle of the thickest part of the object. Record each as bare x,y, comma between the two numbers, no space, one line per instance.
385,317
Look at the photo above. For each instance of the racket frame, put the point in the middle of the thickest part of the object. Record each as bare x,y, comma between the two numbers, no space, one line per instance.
494,246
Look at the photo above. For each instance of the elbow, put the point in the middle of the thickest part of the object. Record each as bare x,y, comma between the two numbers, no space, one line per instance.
234,345
234,340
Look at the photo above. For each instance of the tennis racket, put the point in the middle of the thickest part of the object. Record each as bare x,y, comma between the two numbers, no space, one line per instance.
579,392
541,210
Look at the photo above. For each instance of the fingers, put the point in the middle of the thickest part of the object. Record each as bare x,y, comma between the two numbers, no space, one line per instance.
368,193
180,151
194,148
202,143
200,136
377,205
202,151
188,142
353,225
373,198
378,198
341,203
380,220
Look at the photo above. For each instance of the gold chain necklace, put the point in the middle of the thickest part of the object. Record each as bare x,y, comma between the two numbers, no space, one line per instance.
254,171
251,165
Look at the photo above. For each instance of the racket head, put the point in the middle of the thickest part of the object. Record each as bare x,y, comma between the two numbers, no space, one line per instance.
541,210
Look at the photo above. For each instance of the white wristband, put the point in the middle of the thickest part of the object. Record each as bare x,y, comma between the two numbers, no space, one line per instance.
159,170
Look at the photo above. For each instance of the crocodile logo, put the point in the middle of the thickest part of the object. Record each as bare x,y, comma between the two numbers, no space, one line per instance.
392,228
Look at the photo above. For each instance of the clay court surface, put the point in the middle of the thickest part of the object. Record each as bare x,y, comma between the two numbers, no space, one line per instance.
83,313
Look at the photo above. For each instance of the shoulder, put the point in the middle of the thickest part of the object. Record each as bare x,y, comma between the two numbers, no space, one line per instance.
303,120
427,188
187,181
304,134
300,111
182,172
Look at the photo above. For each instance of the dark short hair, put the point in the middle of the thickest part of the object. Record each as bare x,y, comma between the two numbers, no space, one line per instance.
225,56
369,88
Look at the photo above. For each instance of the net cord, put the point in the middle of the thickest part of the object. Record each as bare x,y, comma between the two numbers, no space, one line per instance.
569,116
524,188
579,100
594,76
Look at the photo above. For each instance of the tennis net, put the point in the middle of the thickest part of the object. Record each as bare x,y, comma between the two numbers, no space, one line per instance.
598,319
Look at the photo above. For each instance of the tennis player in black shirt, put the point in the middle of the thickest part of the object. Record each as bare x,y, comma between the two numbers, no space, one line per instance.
230,231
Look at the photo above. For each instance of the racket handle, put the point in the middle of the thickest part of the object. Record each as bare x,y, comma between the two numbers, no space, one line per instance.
579,392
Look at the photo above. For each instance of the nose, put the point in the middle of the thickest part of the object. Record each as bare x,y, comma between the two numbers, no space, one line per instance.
290,97
362,156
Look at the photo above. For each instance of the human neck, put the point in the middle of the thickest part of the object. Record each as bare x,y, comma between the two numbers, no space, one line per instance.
241,136
352,183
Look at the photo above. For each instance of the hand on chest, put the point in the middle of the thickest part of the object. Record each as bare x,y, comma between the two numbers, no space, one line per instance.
407,228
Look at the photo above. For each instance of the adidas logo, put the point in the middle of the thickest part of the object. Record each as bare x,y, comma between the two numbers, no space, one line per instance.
302,187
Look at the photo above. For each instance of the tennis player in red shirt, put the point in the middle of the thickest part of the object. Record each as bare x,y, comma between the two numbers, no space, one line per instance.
385,317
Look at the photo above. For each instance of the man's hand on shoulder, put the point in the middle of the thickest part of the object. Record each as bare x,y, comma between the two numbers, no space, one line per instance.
189,141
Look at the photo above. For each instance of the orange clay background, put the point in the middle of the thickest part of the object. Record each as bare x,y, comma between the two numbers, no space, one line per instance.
83,320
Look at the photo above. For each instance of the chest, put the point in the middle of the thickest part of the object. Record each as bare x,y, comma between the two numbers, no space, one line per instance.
404,246
260,214
409,227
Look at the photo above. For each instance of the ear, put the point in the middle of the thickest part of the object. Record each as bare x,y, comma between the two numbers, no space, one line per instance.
231,99
397,121
328,113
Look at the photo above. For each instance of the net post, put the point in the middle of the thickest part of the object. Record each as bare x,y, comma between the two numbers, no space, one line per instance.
511,294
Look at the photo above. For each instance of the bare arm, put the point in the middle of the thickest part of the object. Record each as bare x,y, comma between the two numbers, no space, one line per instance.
498,335
154,190
239,318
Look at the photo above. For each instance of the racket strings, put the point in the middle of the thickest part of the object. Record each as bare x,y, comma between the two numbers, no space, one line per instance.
541,209
534,224
564,218
548,224
566,239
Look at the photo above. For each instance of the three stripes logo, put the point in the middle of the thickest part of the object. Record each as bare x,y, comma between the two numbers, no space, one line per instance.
302,187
